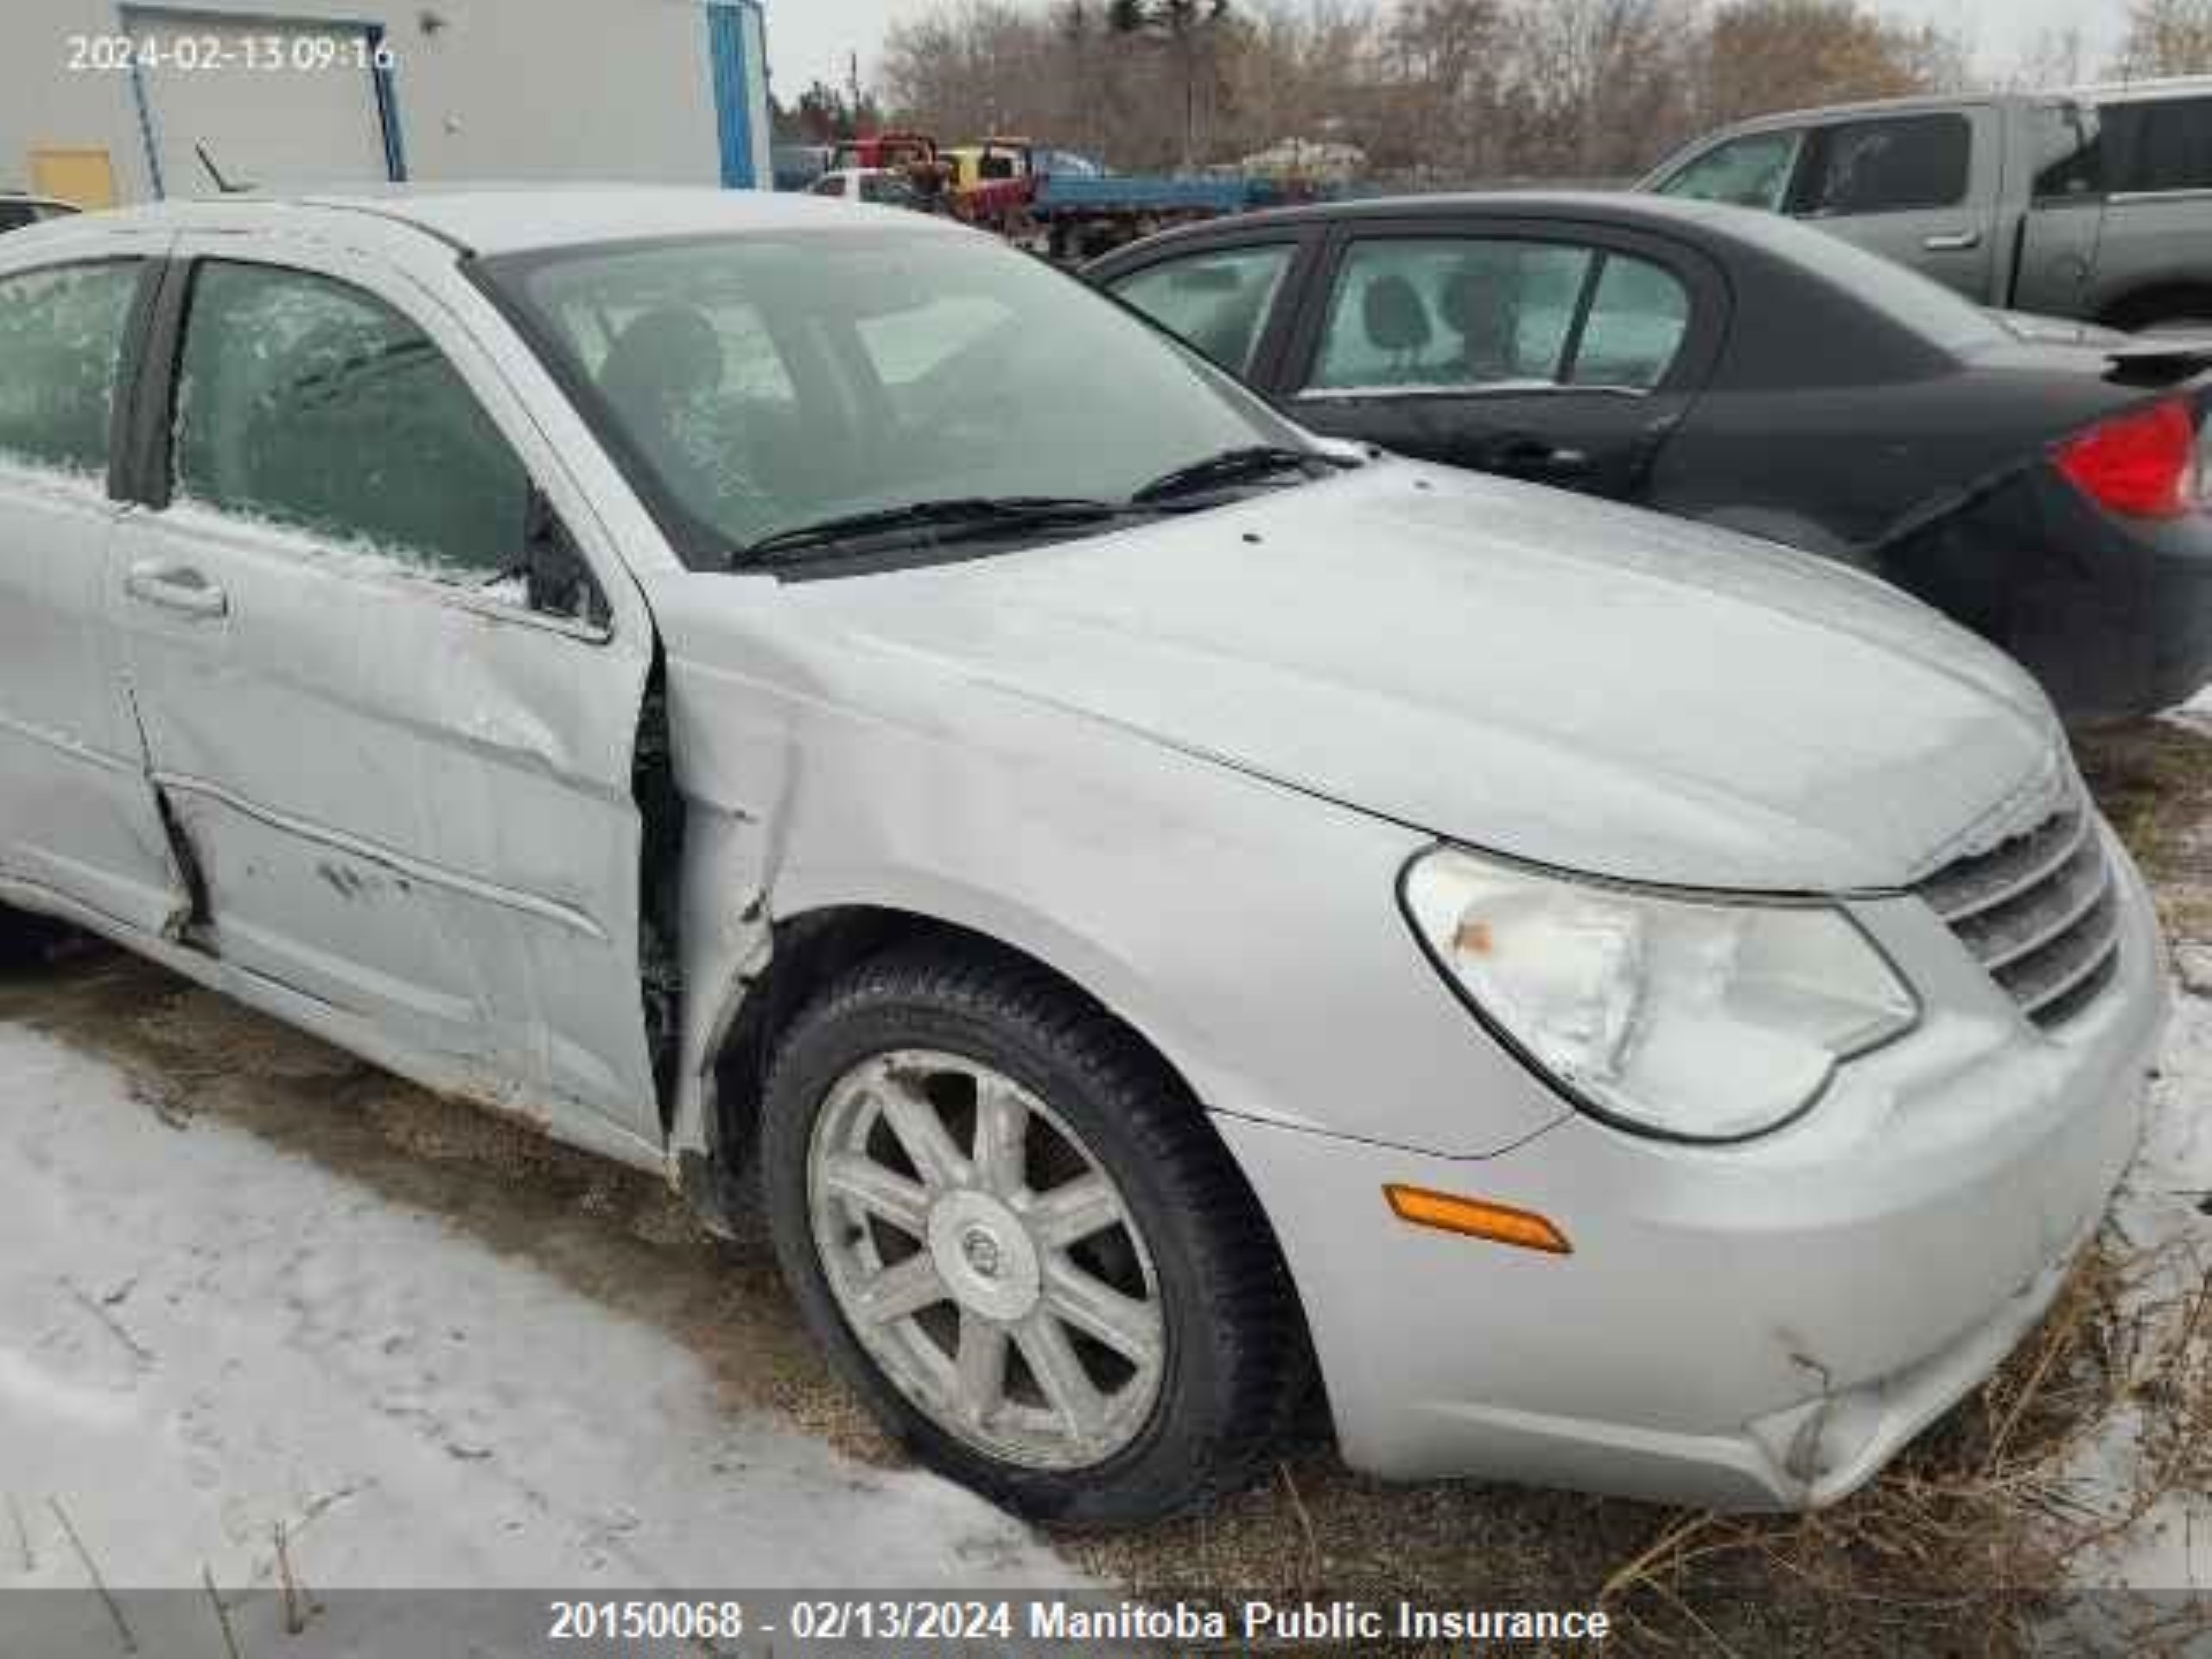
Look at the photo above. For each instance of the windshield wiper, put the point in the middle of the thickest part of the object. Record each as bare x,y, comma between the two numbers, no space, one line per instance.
954,519
1246,464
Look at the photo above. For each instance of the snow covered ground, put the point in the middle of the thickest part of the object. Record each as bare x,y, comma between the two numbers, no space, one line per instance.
2161,1207
2165,1208
204,1334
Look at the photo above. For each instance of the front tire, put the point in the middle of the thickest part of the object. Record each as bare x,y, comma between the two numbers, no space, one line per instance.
1020,1243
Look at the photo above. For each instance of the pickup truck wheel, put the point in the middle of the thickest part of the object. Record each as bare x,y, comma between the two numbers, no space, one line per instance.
1021,1245
2165,311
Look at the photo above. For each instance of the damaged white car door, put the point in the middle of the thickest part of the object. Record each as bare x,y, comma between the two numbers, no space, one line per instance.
77,818
399,765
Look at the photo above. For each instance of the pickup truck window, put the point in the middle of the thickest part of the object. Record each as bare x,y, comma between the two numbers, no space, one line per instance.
1752,171
2160,144
1888,166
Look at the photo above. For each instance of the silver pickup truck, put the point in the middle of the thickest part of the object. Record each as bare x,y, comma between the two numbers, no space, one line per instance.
2094,204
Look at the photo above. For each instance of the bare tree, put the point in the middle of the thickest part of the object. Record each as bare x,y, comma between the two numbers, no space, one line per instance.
2167,37
2058,57
1445,60
1597,80
1191,31
1433,91
1761,55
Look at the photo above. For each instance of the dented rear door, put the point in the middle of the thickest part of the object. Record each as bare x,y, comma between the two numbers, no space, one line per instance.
403,788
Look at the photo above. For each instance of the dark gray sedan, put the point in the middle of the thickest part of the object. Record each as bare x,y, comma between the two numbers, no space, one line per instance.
1732,366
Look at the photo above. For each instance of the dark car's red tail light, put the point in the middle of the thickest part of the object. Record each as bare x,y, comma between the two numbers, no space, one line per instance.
2143,465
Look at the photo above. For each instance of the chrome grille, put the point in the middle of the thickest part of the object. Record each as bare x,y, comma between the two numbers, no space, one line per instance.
2039,911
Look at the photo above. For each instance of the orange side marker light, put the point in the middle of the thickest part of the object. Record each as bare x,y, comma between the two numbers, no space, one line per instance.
1501,1223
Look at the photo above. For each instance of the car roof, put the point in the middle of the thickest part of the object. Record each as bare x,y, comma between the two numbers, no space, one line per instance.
1630,208
2146,91
497,218
2126,91
1917,104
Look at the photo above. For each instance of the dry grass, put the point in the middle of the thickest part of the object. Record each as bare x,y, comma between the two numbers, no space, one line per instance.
1955,1549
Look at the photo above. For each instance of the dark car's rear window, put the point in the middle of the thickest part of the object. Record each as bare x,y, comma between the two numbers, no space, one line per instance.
1919,305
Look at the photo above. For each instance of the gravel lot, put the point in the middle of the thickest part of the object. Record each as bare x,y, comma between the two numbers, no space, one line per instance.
246,1281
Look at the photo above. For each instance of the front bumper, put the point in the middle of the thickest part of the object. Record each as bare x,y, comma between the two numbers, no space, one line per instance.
1749,1327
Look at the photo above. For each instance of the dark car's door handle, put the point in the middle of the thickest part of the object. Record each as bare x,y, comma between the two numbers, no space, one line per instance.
1533,458
175,587
1951,241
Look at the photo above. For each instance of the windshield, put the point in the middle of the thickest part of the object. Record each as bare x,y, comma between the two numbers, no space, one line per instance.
757,384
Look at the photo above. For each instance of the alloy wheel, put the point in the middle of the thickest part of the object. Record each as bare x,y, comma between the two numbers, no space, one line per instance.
985,1260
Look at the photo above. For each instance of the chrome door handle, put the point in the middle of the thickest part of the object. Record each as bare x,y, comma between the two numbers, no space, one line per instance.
176,586
1952,241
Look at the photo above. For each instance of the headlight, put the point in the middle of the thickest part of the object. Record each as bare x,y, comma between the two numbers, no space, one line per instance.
1700,1018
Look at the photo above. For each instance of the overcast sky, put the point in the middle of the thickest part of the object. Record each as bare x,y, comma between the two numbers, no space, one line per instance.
809,39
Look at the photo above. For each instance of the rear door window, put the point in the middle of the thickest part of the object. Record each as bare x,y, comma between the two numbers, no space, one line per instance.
1450,314
1897,164
1752,171
1468,314
2161,144
1638,313
1219,300
61,335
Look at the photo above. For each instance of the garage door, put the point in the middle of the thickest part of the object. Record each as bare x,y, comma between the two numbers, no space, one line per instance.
272,103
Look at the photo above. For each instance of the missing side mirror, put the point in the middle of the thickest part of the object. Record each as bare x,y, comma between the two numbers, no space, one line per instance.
560,582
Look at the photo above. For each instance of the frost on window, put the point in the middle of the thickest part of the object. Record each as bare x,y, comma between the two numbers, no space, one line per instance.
305,403
1449,313
60,334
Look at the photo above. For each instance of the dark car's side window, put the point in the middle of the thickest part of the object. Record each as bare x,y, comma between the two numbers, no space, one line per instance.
1465,313
1752,171
61,335
2160,144
15,215
1217,300
1639,313
305,402
1888,166
1449,313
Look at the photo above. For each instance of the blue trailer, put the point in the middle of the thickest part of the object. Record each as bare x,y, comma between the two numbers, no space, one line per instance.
1084,217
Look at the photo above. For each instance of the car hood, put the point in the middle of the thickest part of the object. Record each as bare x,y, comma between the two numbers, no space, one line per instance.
1580,684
